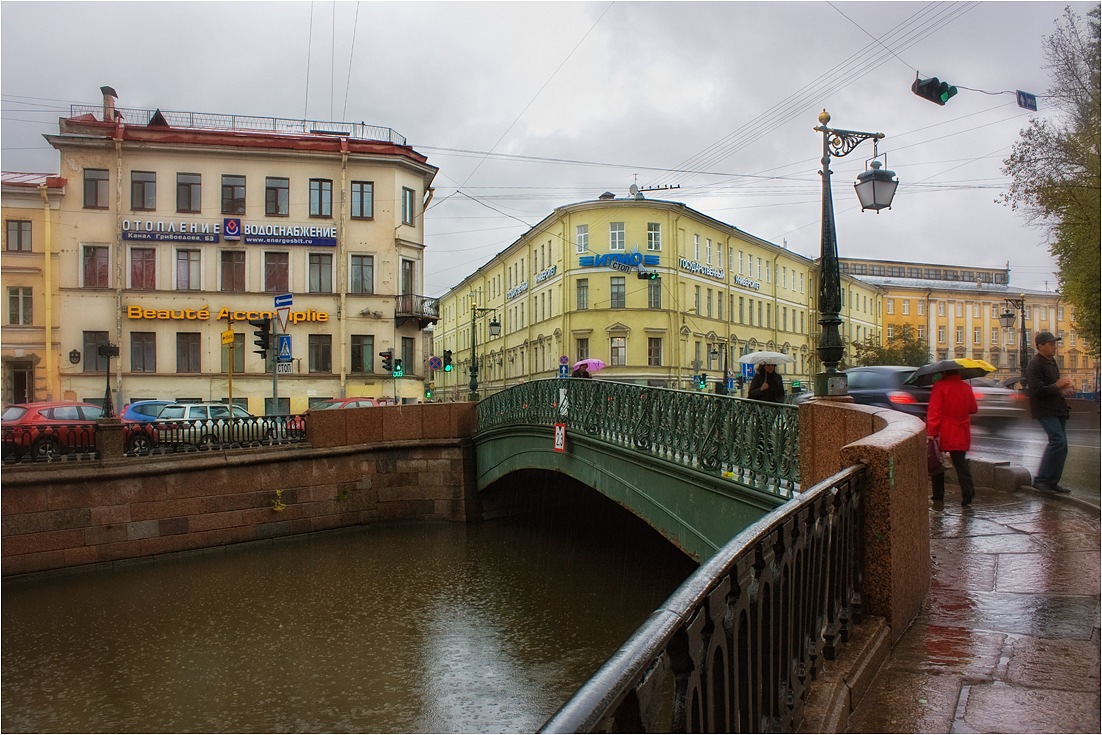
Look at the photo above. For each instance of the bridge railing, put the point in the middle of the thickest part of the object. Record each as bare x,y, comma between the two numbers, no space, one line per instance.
735,647
753,443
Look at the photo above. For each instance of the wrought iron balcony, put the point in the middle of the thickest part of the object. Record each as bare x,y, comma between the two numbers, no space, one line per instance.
422,308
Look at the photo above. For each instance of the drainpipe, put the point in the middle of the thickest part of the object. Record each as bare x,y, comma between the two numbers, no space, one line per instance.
47,274
120,271
931,328
342,271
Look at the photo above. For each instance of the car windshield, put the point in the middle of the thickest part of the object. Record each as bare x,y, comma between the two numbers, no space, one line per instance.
326,405
13,413
171,412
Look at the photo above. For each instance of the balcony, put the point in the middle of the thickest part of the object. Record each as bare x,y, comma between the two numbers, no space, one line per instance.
422,308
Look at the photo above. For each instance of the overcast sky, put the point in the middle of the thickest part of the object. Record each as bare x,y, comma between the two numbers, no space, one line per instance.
525,106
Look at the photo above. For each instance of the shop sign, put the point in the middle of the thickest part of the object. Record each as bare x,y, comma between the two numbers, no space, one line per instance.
135,311
516,291
290,235
625,262
746,282
162,231
546,273
700,269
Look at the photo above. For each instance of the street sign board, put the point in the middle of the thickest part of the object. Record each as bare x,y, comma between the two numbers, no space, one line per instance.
283,300
227,337
283,368
284,313
747,370
1027,101
564,360
435,363
284,353
564,371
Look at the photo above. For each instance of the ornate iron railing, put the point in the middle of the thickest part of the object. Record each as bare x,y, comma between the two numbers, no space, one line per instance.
753,443
49,442
735,647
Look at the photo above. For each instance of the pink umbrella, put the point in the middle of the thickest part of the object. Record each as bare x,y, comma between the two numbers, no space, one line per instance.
592,364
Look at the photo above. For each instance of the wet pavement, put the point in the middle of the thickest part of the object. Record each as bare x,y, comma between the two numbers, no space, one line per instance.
1008,639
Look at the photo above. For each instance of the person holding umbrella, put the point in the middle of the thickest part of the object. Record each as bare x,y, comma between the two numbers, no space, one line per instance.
767,384
947,420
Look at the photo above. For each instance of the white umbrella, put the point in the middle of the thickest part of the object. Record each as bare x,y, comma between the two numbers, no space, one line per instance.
775,358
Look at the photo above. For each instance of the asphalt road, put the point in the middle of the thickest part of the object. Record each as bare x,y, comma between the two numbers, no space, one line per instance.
1022,443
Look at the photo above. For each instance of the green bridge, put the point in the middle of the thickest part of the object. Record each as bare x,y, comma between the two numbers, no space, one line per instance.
698,468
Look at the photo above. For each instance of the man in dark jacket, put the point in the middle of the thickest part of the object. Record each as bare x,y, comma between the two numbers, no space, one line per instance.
767,384
1046,402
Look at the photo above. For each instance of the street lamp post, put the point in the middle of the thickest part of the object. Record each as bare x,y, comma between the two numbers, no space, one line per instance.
721,386
1007,320
108,350
495,330
875,189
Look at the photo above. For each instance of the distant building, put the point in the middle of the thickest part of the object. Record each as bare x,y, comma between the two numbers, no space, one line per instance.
957,310
176,228
655,289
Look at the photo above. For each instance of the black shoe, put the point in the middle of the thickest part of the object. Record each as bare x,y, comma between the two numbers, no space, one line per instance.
1051,487
967,499
1059,488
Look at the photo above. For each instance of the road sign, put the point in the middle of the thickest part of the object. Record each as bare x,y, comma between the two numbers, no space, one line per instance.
747,370
227,337
284,313
564,360
435,363
283,368
564,371
560,437
1027,101
284,353
283,299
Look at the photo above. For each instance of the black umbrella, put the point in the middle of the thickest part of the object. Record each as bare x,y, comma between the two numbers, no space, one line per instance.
968,368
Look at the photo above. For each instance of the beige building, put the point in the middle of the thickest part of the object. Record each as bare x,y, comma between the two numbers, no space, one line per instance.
30,346
176,229
957,309
656,290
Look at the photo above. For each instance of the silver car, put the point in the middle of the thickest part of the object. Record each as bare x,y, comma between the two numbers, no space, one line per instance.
202,425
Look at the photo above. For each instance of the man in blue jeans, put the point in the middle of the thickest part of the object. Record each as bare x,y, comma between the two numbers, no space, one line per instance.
1046,403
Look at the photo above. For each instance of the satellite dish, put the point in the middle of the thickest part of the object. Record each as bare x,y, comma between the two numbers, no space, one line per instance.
633,189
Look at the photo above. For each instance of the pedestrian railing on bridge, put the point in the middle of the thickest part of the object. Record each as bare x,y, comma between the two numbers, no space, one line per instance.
735,648
753,443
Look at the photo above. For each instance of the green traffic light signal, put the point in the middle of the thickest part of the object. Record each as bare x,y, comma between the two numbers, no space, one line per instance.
398,370
447,361
933,89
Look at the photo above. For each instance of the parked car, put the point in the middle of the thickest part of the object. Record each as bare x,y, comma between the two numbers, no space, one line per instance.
202,425
883,386
143,412
48,429
350,402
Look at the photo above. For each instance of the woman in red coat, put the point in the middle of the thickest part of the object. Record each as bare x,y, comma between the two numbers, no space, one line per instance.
947,420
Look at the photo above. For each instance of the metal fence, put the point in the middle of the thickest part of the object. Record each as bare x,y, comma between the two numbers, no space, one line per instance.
735,648
753,443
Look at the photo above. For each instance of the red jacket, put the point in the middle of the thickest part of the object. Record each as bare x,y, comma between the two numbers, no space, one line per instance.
951,403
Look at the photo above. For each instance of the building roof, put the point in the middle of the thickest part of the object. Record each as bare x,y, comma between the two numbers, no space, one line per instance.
997,290
31,180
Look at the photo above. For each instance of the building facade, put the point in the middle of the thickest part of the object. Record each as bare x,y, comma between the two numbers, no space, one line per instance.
29,268
178,229
957,310
658,291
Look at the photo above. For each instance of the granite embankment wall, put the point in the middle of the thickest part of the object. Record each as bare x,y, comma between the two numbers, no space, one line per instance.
70,514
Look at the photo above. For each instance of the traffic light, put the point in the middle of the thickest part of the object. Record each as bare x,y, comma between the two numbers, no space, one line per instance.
447,361
428,391
702,381
388,365
263,335
647,275
398,371
933,89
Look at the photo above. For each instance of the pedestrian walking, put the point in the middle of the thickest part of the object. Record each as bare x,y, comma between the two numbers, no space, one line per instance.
1046,391
580,372
767,384
952,403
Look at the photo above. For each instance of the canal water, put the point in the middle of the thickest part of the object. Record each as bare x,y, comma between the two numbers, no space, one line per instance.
397,628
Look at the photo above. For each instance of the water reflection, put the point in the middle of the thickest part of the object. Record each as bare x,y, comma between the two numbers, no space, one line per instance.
413,628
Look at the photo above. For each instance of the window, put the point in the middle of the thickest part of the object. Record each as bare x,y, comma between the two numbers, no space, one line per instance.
696,247
233,271
654,236
617,293
891,331
941,308
617,351
406,276
975,311
93,363
407,355
95,266
708,250
654,352
960,335
277,272
363,274
654,294
890,306
277,196
977,335
188,190
233,194
363,354
19,235
238,354
941,335
187,352
583,295
96,190
321,198
321,273
709,301
696,303
19,306
906,307
615,235
363,199
143,269
581,347
581,239
188,270
321,353
143,352
959,309
921,307
407,206
143,190
922,332
995,336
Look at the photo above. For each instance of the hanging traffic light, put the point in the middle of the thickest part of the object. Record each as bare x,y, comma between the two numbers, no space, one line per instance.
387,356
933,89
447,361
263,336
647,275
398,371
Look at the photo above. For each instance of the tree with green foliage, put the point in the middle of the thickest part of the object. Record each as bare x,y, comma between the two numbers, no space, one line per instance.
904,347
1054,169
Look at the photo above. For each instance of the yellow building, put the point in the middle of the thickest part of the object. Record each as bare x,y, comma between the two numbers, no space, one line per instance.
957,309
653,288
30,353
177,229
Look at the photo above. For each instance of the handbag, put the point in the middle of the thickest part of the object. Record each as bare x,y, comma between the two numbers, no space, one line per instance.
933,455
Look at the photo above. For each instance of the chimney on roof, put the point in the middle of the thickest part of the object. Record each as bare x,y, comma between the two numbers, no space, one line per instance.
109,98
607,195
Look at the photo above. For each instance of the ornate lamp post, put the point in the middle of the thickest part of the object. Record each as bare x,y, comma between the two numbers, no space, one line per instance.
875,189
495,330
721,386
108,350
1007,320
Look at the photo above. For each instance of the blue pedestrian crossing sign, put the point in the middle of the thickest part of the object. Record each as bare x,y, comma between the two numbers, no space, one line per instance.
284,354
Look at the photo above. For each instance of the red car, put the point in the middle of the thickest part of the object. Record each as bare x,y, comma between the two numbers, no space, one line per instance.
48,429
